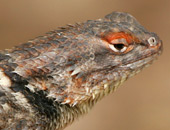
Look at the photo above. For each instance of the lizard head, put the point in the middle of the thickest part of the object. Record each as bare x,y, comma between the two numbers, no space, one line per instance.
119,48
123,48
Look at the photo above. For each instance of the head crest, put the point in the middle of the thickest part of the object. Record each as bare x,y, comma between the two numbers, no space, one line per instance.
121,17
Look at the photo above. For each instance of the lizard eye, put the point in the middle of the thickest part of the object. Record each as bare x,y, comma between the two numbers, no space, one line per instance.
119,43
118,47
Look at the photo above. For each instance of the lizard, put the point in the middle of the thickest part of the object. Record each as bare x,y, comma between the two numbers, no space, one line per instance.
48,82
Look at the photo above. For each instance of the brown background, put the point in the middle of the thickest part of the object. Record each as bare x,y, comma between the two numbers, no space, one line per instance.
143,102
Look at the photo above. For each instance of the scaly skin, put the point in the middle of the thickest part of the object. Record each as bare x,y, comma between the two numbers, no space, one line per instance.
48,82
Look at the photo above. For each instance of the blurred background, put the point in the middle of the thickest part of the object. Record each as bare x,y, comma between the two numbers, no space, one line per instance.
143,102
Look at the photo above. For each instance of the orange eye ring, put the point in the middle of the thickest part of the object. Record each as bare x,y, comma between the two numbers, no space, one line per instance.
120,43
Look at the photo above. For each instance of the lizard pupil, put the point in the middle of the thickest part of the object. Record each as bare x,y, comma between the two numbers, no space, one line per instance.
119,46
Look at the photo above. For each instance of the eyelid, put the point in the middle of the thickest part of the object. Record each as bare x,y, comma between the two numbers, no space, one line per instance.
118,41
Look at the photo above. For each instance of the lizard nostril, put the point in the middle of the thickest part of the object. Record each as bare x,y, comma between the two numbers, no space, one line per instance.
152,41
